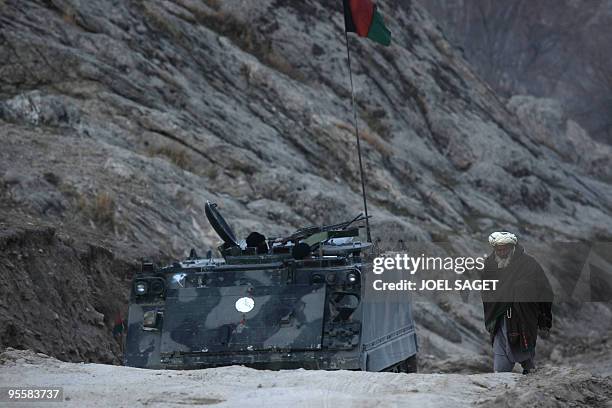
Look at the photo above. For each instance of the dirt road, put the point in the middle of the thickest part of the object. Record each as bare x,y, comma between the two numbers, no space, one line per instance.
97,385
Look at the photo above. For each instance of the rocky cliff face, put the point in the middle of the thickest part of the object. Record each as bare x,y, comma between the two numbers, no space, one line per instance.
118,120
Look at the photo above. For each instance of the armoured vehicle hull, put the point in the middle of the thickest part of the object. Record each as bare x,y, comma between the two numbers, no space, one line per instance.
297,302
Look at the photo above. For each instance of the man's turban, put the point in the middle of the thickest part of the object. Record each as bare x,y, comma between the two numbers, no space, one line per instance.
502,238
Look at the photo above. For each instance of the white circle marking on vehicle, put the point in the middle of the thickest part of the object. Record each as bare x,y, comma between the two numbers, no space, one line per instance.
245,304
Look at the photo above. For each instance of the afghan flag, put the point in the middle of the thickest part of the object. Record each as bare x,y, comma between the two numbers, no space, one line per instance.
362,17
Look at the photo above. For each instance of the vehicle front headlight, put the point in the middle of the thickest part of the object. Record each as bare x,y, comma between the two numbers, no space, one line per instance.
140,288
352,277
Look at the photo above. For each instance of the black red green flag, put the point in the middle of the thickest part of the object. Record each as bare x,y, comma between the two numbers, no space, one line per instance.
362,17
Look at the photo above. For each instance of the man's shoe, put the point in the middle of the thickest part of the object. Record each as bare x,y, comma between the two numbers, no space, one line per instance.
525,371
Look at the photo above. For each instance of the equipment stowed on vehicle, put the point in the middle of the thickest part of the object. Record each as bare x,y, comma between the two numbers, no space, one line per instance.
292,302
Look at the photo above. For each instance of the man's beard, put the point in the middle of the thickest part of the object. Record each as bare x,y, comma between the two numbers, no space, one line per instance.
504,262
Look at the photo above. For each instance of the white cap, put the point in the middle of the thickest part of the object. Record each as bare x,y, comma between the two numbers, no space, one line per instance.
502,238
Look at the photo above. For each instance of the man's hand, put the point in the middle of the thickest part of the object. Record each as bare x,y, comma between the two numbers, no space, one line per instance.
544,333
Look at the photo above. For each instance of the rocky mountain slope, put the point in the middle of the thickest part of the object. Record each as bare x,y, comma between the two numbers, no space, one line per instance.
556,49
130,116
118,120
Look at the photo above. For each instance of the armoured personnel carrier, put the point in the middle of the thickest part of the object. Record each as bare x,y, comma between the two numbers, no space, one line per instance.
292,302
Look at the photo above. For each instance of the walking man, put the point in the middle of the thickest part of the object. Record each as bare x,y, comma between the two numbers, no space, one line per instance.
520,308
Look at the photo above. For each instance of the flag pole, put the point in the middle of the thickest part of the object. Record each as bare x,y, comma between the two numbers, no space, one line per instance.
363,191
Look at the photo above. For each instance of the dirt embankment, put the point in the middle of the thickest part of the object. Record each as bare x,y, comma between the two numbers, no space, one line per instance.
59,296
